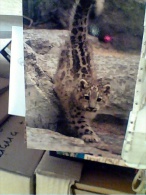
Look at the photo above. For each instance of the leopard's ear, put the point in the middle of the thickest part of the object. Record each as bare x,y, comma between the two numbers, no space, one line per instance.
106,89
83,84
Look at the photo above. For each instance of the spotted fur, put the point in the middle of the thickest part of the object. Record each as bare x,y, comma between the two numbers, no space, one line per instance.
76,85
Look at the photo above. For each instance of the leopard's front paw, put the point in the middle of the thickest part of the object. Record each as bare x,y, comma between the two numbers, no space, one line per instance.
90,138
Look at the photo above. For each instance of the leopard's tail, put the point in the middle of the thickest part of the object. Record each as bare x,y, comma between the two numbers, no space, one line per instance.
80,21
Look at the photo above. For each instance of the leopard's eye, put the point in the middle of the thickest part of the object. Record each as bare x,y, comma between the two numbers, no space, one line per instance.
86,96
99,99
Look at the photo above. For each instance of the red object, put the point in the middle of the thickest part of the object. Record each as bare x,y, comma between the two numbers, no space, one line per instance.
107,38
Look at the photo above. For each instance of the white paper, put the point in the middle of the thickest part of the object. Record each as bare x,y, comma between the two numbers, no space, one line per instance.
134,147
3,43
11,7
17,84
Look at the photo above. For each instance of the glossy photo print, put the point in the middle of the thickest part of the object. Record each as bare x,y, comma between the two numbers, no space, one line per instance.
81,64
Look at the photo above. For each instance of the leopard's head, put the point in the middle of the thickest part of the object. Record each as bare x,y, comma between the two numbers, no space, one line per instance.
91,97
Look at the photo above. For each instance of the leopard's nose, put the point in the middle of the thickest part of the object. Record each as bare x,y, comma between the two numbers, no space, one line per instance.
92,109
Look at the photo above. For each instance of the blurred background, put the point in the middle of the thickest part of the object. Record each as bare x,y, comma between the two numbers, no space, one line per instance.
120,23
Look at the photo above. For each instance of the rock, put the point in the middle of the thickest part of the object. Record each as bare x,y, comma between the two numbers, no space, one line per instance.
46,140
41,109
